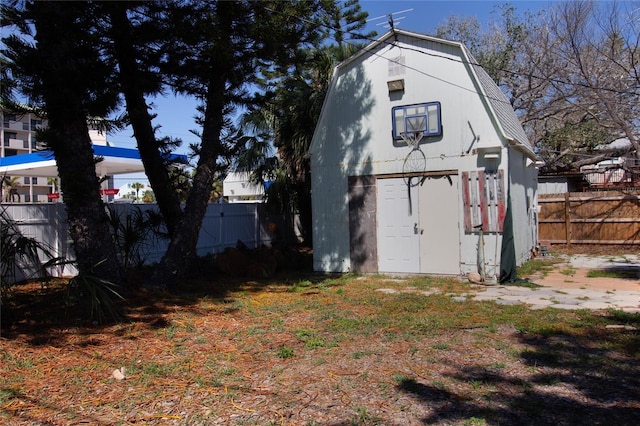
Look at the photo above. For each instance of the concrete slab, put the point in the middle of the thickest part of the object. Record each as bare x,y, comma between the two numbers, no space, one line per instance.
508,302
566,307
562,288
596,305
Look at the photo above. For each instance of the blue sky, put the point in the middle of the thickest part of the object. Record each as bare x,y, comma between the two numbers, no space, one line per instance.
426,15
175,115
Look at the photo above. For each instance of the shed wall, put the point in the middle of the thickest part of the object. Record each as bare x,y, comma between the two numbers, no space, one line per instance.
354,138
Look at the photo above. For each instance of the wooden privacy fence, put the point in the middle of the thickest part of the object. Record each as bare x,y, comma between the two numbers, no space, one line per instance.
607,217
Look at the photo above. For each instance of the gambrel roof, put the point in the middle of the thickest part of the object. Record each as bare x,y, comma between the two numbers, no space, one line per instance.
497,103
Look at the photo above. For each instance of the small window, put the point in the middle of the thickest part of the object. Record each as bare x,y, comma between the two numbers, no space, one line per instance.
7,119
424,118
34,180
27,180
9,135
35,124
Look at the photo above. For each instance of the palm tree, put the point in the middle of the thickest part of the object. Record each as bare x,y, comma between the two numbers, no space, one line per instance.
10,188
289,118
53,181
19,253
137,186
288,121
148,196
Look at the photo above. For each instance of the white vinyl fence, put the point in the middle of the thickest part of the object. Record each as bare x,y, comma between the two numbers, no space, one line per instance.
223,226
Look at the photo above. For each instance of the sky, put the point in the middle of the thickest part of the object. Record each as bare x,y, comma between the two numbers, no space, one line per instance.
175,114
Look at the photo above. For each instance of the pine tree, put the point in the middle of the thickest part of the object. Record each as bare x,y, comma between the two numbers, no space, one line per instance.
291,111
62,73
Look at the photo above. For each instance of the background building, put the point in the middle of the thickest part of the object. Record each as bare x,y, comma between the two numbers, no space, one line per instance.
19,136
238,188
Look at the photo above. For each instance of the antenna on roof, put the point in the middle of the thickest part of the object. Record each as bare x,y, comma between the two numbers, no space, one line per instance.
390,19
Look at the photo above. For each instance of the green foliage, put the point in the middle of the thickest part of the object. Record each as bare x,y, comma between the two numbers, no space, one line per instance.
96,296
534,266
614,273
9,189
475,421
180,182
148,196
626,317
343,21
310,338
137,186
134,234
495,48
287,115
285,352
19,253
560,148
67,88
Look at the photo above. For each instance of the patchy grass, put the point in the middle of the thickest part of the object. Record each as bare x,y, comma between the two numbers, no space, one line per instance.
524,283
537,266
317,350
613,273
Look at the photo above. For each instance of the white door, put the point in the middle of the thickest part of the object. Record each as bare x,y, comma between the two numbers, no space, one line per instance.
439,226
398,236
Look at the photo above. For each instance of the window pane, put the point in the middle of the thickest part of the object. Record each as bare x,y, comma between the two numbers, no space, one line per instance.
433,118
399,121
416,123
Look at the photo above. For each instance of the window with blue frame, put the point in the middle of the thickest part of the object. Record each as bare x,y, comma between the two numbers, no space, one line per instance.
417,118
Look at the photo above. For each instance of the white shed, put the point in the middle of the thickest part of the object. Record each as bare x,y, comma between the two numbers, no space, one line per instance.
417,150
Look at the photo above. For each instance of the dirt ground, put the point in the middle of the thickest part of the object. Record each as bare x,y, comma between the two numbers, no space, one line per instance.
574,263
301,353
579,279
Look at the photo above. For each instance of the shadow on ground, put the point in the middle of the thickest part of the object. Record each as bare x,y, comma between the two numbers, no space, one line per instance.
603,392
49,316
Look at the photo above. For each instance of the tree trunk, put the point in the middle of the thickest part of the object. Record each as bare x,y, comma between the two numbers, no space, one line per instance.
303,190
68,136
182,248
88,224
132,82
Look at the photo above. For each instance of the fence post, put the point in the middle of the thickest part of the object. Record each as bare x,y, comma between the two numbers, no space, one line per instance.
567,219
